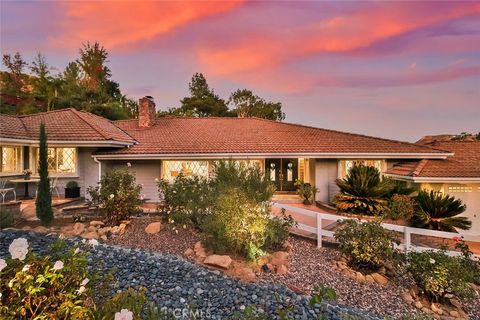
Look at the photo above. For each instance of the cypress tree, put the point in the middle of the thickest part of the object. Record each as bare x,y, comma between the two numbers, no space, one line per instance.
43,202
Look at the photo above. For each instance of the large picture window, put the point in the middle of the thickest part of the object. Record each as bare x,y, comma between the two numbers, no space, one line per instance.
171,169
11,159
60,160
346,165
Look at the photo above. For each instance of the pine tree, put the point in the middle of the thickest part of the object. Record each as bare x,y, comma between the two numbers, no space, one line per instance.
43,202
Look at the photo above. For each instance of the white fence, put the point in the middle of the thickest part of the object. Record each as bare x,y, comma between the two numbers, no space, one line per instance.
407,231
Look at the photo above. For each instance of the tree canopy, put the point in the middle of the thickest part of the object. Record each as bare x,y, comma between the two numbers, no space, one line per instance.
204,102
84,84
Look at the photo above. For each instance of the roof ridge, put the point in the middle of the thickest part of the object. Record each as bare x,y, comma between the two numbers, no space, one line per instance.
76,112
44,112
112,122
419,167
349,133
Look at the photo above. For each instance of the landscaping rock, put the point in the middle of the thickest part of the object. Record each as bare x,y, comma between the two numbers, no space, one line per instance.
369,279
97,223
360,277
92,229
379,278
78,228
407,297
122,226
282,269
454,314
436,309
418,305
242,272
200,250
189,252
153,228
279,258
222,261
90,235
41,229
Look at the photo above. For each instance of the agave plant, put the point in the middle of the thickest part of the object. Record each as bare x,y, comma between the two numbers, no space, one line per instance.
438,211
363,191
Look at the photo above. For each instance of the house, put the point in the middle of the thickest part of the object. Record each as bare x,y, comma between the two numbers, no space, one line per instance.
458,175
83,146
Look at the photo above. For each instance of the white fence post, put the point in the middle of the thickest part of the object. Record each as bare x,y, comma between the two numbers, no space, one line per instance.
408,240
319,231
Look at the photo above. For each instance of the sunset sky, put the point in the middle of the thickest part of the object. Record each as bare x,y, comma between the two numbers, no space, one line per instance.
391,69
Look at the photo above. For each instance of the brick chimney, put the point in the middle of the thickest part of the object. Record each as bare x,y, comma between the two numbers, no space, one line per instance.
146,112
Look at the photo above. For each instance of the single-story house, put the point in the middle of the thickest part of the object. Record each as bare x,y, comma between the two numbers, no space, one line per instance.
458,175
82,146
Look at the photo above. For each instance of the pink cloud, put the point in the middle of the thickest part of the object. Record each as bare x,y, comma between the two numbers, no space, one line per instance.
122,23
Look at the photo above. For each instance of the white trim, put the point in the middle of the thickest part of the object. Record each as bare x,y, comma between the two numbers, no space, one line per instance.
73,143
142,156
99,168
434,179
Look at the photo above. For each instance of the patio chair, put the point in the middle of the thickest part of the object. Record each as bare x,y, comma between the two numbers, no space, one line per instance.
4,190
53,187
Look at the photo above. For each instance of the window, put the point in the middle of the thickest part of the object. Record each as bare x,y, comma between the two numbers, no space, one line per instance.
171,169
346,165
459,189
11,160
60,160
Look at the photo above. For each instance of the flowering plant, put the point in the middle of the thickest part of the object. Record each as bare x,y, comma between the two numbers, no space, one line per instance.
27,173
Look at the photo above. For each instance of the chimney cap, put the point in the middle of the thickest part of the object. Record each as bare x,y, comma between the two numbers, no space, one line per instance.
149,98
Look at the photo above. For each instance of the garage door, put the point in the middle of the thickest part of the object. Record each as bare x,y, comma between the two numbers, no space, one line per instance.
470,195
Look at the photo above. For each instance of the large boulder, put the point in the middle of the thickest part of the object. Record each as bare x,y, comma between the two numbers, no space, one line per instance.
215,260
41,229
199,250
279,258
379,278
152,228
90,235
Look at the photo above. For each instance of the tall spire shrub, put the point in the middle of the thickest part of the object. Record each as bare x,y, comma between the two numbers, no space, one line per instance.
43,203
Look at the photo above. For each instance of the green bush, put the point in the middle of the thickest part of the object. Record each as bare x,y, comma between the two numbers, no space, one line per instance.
400,207
438,274
71,184
43,202
277,230
237,224
118,198
59,286
186,199
6,218
306,191
366,244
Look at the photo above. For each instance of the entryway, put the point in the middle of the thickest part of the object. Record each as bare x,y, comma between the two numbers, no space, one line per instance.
282,172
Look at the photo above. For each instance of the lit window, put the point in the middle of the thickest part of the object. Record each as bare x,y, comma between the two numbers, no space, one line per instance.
11,160
459,189
346,165
60,160
171,169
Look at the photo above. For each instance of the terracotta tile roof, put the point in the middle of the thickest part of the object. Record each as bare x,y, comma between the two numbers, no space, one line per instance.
63,125
174,135
464,164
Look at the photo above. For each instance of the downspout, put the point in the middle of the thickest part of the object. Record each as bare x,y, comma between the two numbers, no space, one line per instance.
99,168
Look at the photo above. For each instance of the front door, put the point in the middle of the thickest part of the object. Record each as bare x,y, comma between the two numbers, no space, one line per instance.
282,172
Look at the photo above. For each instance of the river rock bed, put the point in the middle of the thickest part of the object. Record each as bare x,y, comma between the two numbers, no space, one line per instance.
174,283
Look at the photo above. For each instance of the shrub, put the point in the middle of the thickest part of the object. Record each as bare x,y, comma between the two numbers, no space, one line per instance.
306,191
44,287
43,203
277,230
72,184
363,191
186,199
237,224
59,286
6,218
366,244
438,274
119,196
400,207
438,211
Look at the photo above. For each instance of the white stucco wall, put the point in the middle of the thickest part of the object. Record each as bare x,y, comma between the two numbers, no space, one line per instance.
326,172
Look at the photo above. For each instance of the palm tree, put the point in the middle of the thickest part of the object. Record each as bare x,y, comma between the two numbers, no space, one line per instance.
438,211
363,191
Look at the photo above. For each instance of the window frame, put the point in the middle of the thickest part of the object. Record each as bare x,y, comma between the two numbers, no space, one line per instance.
342,166
34,161
19,160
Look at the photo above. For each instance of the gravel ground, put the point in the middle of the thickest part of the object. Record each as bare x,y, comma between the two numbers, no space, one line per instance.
173,282
167,240
310,266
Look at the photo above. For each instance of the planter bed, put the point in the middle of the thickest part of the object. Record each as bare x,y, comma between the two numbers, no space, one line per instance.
173,282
